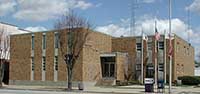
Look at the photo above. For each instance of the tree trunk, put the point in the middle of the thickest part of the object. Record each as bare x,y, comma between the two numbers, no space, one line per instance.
69,71
1,73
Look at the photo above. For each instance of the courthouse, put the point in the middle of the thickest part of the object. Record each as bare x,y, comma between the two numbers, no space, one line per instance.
35,59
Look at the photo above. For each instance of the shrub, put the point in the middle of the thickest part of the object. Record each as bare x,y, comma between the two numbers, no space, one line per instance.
133,82
125,83
190,80
121,83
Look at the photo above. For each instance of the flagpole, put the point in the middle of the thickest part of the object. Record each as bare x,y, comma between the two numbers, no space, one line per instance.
170,58
165,58
155,56
142,59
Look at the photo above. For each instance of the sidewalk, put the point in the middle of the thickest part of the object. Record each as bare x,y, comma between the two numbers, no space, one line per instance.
133,89
38,88
96,90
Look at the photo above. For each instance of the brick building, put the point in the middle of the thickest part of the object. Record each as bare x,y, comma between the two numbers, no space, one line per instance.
36,59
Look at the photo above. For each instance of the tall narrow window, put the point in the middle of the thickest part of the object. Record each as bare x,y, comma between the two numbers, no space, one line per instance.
161,45
44,63
32,68
139,46
44,41
32,40
56,63
32,63
56,40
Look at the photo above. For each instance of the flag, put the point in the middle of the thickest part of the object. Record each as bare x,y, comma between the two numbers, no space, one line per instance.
166,35
170,46
144,37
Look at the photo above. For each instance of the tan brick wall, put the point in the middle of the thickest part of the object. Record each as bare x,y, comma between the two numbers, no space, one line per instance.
91,65
38,56
120,66
20,52
62,67
182,63
88,67
126,45
50,56
97,43
62,71
183,58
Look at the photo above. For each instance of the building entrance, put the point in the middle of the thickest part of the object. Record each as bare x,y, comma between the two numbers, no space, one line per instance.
108,67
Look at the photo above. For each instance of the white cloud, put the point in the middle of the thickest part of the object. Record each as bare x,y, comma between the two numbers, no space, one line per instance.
178,26
194,7
40,10
83,5
36,29
6,6
112,29
147,24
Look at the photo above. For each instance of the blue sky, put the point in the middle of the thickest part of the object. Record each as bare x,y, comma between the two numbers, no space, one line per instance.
108,16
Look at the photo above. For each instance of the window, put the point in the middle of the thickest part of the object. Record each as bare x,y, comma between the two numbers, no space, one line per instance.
138,46
43,63
108,69
112,70
161,45
32,40
150,71
138,67
161,67
56,40
44,41
32,63
56,63
107,59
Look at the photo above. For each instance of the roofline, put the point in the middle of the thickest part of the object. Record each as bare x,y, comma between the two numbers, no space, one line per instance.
25,30
175,35
8,24
15,26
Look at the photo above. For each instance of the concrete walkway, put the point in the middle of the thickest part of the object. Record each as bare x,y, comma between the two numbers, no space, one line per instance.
134,89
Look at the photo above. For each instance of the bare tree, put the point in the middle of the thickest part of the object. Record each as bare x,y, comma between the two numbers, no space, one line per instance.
73,32
4,51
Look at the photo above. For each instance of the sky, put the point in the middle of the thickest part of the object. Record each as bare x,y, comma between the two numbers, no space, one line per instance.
108,16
